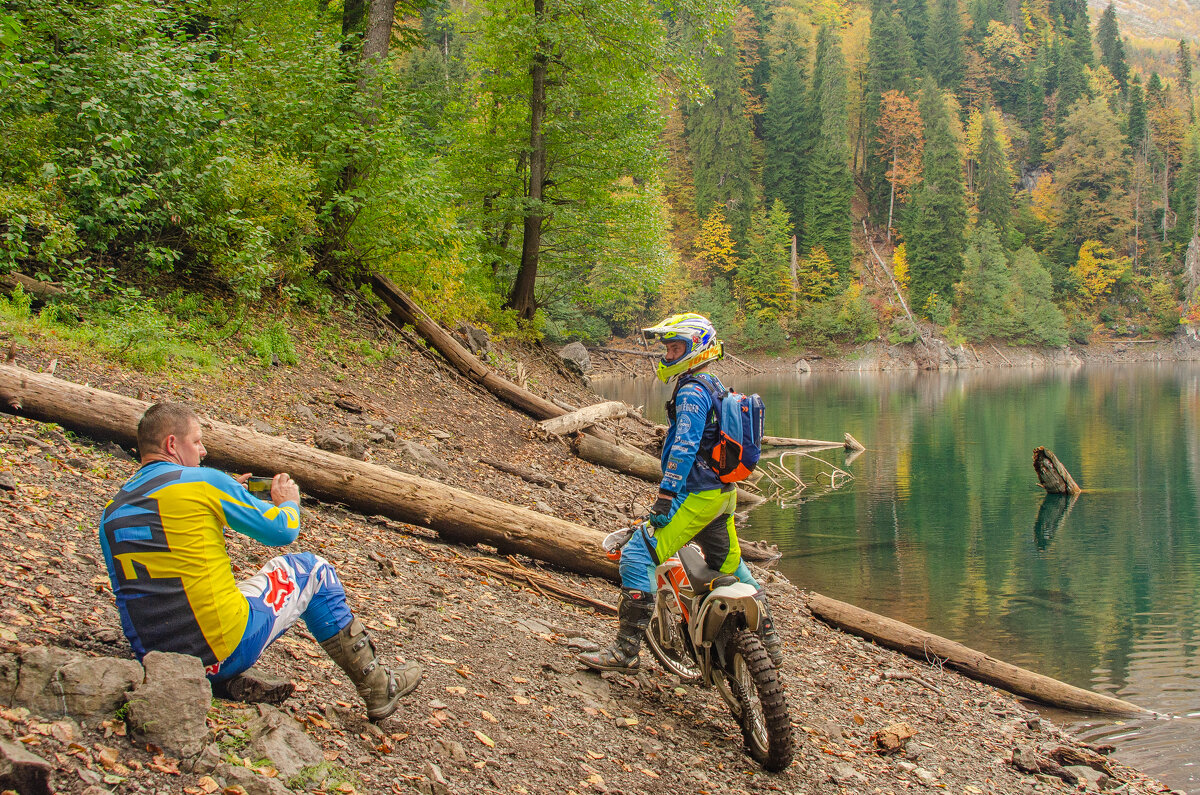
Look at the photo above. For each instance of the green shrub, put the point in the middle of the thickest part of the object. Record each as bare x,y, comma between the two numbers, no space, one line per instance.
273,341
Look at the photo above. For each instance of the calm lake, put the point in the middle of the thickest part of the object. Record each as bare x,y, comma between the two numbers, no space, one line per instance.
944,526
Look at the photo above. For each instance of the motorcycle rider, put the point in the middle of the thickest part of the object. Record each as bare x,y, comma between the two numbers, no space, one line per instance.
692,503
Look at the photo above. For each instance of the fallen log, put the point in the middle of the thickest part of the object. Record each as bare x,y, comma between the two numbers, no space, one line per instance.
584,417
408,312
636,463
785,441
977,665
620,457
626,351
1052,475
528,475
456,515
39,289
853,444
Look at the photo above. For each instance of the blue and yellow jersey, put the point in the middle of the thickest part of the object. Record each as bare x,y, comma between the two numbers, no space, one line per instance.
164,545
692,433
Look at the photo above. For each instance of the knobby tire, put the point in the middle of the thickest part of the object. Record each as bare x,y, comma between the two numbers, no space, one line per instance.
774,751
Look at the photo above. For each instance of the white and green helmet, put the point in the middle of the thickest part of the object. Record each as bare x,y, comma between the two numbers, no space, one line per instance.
699,336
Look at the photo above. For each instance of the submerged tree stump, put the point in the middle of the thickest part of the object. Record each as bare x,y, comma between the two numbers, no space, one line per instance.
1052,475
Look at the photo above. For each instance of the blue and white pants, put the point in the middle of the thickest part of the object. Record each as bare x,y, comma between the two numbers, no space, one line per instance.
286,589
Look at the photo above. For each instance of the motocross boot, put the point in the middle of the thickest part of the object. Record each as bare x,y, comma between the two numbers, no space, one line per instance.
766,631
253,686
378,687
633,614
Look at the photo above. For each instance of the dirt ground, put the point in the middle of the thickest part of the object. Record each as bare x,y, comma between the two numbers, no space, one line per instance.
504,707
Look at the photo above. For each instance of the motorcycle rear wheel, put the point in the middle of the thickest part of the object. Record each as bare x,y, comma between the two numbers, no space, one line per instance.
673,655
763,711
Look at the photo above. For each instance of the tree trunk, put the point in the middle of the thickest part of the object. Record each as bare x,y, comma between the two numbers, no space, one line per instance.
39,289
370,489
1052,475
521,299
375,51
925,646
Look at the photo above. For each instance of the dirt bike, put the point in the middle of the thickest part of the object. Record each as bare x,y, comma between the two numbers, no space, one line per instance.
703,629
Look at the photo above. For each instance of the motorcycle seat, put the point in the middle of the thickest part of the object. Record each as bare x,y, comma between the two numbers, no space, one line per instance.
703,579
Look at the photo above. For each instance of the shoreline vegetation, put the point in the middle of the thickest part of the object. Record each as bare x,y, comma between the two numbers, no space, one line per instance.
498,647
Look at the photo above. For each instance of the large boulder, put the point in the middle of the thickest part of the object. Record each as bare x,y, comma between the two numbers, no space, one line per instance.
54,682
417,458
95,687
253,783
170,708
10,664
278,737
341,443
576,357
477,339
22,771
58,682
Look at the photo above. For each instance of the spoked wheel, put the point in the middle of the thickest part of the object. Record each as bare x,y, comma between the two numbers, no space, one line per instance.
763,710
670,647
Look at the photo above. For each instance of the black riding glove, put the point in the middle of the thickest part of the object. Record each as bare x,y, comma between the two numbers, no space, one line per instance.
660,511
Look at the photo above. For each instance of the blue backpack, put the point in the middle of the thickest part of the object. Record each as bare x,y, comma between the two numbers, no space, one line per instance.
740,431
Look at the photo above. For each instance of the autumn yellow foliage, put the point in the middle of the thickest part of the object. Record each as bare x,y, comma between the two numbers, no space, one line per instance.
714,245
1097,270
900,265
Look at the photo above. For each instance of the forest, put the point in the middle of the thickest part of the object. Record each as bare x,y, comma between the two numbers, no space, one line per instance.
808,173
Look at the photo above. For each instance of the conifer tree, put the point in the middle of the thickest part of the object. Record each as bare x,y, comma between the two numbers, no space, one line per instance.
786,138
890,67
915,16
982,296
718,135
945,56
1080,36
938,216
1136,119
829,185
1112,49
1035,318
993,179
1184,59
764,277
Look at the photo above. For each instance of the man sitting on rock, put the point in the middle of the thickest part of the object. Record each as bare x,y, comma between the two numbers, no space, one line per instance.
164,545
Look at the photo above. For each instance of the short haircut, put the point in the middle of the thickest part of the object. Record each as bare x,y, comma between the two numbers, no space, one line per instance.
161,420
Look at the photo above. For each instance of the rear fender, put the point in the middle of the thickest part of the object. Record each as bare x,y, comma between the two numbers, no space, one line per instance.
719,606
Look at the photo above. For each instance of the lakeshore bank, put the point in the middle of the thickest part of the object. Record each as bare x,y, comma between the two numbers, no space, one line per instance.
503,707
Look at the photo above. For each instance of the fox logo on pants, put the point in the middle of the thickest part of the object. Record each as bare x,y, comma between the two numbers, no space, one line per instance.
279,588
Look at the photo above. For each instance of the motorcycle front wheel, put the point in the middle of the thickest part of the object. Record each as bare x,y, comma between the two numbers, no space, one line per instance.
762,706
669,646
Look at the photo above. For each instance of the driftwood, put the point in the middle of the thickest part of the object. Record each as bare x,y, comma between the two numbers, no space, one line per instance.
977,665
1052,475
39,289
524,474
853,444
455,514
584,417
626,351
787,441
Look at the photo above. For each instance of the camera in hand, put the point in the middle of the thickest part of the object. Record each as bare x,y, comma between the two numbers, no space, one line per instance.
260,487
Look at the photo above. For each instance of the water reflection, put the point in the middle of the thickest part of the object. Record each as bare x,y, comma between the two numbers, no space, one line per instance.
935,528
